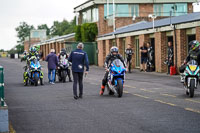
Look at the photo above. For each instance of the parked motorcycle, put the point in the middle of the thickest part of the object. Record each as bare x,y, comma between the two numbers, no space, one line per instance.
33,74
63,70
116,78
191,77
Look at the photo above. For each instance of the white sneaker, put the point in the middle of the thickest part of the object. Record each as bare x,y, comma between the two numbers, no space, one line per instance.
52,83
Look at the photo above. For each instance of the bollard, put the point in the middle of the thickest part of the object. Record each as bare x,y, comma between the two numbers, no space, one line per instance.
1,86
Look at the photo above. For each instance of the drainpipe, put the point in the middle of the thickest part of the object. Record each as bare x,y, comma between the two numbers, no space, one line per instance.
175,43
107,8
114,15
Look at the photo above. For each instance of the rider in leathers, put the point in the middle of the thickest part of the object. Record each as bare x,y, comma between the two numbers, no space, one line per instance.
194,54
63,55
109,59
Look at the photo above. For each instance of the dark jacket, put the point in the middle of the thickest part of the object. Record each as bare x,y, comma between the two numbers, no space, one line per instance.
194,55
170,56
52,60
129,53
79,58
110,58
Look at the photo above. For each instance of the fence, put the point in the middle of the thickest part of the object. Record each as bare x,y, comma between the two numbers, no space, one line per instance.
89,47
1,86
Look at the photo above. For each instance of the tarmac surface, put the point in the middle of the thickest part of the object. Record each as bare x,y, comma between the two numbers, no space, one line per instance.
151,103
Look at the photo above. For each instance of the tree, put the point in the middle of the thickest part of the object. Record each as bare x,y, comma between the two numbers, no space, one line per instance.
78,37
19,48
63,28
86,32
23,31
44,27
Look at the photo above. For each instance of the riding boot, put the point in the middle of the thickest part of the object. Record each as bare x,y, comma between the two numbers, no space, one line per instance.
102,90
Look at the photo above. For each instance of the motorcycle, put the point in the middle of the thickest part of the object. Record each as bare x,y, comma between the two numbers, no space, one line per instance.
116,78
33,74
191,77
62,70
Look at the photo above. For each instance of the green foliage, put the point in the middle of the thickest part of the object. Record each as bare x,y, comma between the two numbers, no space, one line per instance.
23,31
19,48
78,33
44,27
86,32
63,28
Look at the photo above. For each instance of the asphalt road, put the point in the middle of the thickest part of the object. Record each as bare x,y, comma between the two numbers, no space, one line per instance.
152,103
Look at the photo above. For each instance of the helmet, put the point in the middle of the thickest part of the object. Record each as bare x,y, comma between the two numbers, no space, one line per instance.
63,50
114,49
194,45
32,50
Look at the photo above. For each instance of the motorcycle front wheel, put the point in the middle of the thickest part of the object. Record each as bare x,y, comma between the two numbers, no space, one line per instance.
192,86
119,88
36,80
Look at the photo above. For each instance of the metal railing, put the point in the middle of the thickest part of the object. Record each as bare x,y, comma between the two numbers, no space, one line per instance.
1,86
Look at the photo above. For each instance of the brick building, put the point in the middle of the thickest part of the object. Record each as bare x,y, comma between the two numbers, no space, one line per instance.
36,36
179,30
128,11
56,43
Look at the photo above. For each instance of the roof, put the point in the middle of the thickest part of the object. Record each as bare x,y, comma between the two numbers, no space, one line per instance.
90,3
58,38
158,23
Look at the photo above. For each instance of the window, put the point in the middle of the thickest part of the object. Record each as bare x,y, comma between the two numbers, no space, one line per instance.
90,15
95,14
164,9
110,13
181,9
122,10
134,9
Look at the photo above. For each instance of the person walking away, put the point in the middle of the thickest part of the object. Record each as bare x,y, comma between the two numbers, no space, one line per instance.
170,56
143,51
62,56
52,60
129,53
150,54
79,58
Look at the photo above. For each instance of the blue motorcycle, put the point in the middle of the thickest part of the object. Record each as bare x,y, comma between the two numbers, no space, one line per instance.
116,78
34,73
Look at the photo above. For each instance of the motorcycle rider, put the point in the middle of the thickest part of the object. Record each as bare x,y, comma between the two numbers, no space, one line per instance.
63,55
29,56
194,54
109,59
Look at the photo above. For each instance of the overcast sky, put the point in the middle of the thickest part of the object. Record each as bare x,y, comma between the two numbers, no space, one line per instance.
34,12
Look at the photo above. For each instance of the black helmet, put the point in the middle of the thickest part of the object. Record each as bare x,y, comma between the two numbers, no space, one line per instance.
194,45
63,50
114,49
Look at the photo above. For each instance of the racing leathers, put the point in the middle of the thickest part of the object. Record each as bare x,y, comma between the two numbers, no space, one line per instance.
63,55
109,59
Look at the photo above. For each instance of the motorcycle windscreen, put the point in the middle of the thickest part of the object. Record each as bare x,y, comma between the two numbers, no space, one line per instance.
118,63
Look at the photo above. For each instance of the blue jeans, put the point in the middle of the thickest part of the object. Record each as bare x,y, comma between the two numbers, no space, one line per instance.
51,75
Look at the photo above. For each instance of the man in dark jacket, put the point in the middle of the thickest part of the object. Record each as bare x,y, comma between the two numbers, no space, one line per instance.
129,53
170,57
109,59
52,60
78,58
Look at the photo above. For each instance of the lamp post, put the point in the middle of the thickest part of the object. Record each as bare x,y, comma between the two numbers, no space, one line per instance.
152,16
